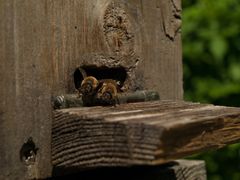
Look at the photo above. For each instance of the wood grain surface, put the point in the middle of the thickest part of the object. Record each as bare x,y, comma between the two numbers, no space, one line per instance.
147,133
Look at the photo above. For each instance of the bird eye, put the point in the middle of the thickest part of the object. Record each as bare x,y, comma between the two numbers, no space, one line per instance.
107,95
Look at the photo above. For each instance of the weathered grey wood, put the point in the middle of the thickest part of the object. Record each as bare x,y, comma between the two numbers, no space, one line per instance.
42,42
147,133
176,170
147,43
25,88
82,32
185,170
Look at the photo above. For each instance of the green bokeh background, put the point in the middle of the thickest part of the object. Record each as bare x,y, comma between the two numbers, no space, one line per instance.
211,57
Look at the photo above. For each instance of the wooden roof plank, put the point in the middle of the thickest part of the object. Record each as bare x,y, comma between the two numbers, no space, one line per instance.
146,133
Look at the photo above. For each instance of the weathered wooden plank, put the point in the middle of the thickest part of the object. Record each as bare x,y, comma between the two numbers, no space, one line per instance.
146,133
176,170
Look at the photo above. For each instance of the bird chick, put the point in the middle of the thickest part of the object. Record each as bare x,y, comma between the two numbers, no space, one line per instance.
88,86
107,93
88,90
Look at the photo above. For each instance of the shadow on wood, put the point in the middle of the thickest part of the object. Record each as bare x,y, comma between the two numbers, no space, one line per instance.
176,170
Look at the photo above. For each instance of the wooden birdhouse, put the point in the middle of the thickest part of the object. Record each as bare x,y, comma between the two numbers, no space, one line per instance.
138,43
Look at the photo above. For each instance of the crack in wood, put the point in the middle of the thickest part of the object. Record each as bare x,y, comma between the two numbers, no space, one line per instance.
118,30
172,18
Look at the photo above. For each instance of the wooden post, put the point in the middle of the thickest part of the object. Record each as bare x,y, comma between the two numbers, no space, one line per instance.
26,76
42,44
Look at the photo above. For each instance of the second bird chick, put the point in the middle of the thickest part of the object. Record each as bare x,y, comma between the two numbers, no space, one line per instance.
107,93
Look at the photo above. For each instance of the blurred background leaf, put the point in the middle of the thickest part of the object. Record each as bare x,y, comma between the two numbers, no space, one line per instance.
211,56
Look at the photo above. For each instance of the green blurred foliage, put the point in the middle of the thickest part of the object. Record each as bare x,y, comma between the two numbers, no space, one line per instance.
211,56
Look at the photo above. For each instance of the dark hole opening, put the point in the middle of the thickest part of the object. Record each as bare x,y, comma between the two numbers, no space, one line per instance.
28,151
118,74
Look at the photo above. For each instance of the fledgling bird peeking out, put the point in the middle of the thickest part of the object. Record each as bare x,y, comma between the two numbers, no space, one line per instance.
88,90
99,92
107,93
88,86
